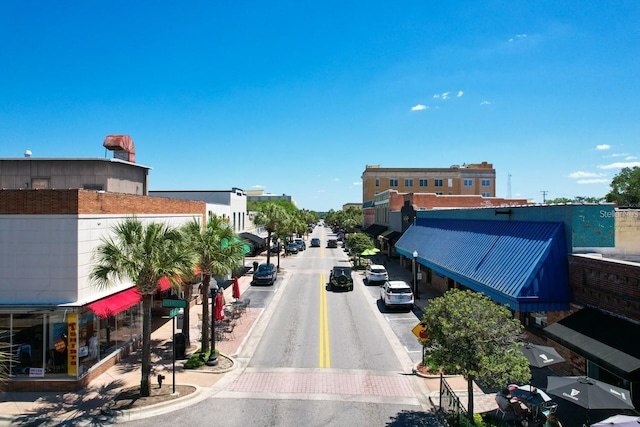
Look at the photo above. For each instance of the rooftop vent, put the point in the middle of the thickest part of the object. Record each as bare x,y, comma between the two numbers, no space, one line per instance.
122,147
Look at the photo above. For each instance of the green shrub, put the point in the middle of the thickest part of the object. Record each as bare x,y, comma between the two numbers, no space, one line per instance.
197,360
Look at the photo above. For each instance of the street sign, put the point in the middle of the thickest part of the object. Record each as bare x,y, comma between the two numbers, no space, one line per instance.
173,303
419,331
174,312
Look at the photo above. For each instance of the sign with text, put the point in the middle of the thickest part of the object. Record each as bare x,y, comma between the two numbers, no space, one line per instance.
174,303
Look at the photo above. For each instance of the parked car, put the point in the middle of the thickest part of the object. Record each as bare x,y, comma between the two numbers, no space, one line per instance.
340,277
376,273
301,244
332,243
315,242
292,248
396,293
266,274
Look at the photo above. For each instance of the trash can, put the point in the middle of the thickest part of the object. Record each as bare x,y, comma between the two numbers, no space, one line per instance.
180,345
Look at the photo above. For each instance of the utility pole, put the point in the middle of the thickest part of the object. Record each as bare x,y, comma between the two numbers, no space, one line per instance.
544,196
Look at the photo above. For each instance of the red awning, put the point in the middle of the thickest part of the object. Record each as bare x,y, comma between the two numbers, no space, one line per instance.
116,303
164,283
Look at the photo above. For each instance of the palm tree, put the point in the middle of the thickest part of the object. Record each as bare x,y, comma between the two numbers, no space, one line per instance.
270,216
218,251
142,254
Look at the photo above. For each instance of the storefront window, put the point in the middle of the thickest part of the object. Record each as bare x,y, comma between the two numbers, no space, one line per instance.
27,343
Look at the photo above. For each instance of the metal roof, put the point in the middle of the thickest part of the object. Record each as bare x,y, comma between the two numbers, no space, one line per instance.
523,264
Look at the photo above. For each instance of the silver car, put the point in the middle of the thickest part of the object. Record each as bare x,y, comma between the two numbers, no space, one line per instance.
376,273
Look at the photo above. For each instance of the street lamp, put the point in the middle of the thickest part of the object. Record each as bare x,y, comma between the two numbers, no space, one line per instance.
415,275
213,357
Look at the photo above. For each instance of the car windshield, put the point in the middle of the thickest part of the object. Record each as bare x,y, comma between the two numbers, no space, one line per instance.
340,271
264,267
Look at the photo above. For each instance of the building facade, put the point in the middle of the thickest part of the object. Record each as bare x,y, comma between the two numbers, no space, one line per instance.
60,326
472,179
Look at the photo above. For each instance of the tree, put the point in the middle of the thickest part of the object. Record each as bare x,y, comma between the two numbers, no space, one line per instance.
625,188
217,251
471,335
271,216
142,254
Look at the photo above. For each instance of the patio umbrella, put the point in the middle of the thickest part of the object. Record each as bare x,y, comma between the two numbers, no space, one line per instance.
589,393
236,288
540,355
219,307
619,421
369,252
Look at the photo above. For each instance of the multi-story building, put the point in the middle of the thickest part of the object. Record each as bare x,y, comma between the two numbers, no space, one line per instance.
261,196
467,179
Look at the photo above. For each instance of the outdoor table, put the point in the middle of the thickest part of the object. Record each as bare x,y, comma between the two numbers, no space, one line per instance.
536,400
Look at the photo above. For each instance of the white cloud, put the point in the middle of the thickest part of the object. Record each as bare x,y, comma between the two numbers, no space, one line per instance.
258,186
593,181
460,93
445,95
581,174
619,165
436,96
620,155
485,103
322,191
357,183
517,36
631,157
419,107
336,180
603,147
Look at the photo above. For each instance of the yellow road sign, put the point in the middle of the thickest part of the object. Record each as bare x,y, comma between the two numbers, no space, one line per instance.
419,331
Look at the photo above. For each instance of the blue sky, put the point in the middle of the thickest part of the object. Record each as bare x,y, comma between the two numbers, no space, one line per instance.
298,97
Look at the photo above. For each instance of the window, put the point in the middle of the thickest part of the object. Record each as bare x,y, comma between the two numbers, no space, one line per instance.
486,194
393,182
438,183
424,183
468,183
439,193
96,187
408,182
486,183
377,182
450,182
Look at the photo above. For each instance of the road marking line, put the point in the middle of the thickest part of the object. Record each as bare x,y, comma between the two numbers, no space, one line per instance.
325,356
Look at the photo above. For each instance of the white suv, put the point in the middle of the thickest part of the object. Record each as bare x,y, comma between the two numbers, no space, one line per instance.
376,273
396,293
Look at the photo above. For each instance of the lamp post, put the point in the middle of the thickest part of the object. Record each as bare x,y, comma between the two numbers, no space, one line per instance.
278,246
415,275
213,357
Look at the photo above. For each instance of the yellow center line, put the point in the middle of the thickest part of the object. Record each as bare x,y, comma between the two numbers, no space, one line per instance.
325,356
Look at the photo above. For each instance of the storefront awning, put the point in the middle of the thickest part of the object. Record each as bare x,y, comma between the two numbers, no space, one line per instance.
116,303
375,229
520,263
254,238
608,341
391,235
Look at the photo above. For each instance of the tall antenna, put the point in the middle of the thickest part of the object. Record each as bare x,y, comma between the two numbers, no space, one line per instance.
544,195
508,185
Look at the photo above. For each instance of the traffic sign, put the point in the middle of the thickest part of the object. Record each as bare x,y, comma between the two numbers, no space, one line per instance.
172,303
174,312
419,331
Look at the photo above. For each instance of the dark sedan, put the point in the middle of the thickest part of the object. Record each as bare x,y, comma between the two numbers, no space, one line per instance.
265,275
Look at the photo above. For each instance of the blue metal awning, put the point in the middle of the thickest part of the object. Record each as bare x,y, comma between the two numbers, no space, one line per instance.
522,264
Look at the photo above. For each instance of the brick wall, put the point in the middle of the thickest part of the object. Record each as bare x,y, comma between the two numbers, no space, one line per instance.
71,202
607,284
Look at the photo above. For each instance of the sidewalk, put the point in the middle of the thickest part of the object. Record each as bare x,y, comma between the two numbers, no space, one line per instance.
84,407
